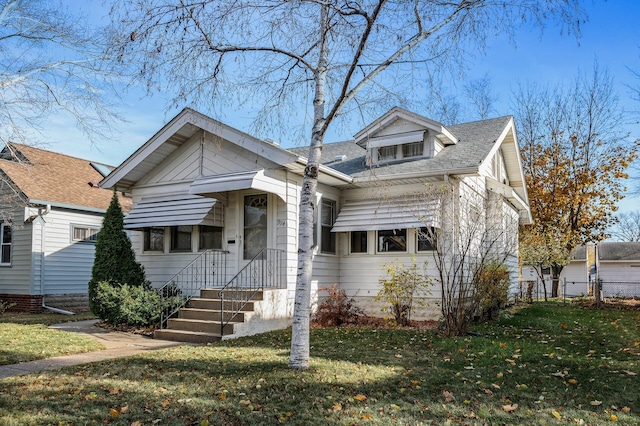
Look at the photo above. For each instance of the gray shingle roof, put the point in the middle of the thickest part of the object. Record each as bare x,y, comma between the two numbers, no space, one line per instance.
475,140
619,251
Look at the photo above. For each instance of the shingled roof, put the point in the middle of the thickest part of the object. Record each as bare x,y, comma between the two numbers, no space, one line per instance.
475,140
619,251
55,178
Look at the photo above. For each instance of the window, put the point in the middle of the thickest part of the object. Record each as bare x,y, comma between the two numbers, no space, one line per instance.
392,240
84,233
5,239
154,239
328,238
415,149
386,153
359,242
210,237
427,239
181,238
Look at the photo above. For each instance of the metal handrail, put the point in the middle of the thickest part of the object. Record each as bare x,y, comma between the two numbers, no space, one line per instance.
264,271
207,270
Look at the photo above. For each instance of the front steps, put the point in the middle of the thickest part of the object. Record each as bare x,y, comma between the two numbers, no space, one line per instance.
199,322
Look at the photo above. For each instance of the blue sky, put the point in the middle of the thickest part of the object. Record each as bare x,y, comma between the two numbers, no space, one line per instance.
612,36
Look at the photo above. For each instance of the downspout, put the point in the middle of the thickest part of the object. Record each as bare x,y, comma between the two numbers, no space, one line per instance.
42,268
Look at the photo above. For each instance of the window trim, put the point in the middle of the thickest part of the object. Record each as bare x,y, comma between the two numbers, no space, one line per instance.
406,247
3,226
93,236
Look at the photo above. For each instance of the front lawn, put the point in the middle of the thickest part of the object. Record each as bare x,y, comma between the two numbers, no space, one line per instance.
26,337
544,365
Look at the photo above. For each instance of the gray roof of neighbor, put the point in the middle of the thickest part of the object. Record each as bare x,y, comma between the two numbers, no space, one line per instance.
475,140
619,251
579,253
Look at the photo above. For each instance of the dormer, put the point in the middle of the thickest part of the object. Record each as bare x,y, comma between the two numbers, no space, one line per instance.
402,135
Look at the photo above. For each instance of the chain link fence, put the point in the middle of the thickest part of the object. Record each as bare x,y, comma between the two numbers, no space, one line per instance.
535,290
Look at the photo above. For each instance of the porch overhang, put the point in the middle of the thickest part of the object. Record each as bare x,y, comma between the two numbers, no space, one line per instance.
255,179
175,210
390,213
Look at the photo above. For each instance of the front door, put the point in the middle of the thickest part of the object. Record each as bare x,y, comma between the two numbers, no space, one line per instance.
255,225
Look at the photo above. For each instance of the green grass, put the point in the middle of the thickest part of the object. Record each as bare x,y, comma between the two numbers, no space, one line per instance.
545,364
26,337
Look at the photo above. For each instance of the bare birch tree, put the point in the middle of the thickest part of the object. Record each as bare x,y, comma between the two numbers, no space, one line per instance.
310,62
51,63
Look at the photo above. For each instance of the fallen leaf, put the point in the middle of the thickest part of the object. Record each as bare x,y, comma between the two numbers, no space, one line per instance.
556,414
596,402
564,326
614,418
448,396
205,422
495,385
245,402
114,413
503,345
626,409
366,416
558,374
136,423
336,407
114,391
510,408
510,361
572,381
629,373
499,375
222,396
165,403
360,397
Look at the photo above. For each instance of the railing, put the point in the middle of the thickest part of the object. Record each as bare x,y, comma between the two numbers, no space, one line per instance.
206,271
264,271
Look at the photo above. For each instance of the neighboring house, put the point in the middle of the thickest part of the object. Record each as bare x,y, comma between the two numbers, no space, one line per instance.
618,268
52,209
199,184
575,278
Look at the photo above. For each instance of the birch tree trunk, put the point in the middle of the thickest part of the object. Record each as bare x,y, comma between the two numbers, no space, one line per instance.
299,358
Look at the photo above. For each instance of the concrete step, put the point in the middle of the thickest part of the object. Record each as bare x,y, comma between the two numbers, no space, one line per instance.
186,336
209,315
199,326
214,293
214,304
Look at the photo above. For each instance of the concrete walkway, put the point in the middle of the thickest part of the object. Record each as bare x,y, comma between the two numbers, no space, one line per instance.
117,344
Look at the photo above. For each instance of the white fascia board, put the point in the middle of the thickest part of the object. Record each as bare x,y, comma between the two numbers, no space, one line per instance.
468,171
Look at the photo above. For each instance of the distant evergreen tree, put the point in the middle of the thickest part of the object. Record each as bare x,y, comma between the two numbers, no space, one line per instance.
115,261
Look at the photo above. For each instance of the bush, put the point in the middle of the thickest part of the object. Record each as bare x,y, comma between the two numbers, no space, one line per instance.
398,290
115,261
125,304
492,287
5,306
337,308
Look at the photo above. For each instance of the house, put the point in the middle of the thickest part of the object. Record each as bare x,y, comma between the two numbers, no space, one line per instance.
52,209
575,277
200,185
618,268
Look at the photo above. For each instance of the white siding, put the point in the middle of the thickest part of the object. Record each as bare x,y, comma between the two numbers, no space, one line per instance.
67,263
619,271
16,278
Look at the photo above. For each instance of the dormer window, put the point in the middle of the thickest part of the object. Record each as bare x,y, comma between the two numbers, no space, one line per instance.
415,149
387,153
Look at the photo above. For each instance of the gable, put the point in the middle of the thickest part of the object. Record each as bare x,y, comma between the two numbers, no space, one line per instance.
166,158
